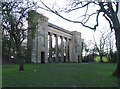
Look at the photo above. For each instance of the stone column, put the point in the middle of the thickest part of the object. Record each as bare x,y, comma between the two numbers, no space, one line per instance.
50,47
62,49
66,50
56,47
70,50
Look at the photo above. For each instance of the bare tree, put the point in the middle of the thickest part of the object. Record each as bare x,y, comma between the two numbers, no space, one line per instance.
14,20
110,46
87,47
101,44
109,11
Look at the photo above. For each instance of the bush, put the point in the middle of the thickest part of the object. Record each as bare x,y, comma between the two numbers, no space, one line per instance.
105,59
88,58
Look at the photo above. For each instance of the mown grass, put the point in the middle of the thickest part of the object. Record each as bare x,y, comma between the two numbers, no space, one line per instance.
59,75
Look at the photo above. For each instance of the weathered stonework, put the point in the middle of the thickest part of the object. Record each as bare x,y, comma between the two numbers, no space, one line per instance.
70,50
76,46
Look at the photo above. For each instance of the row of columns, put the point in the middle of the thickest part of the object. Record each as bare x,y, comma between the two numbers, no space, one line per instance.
62,59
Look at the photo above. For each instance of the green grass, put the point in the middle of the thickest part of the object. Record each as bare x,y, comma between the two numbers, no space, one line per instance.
59,75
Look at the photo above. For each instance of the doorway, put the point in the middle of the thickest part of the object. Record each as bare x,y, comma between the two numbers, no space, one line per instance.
78,59
42,57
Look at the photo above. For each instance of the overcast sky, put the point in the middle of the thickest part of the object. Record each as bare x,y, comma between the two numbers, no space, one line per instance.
86,33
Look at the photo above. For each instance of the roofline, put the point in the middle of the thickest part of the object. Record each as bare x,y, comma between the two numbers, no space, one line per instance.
59,28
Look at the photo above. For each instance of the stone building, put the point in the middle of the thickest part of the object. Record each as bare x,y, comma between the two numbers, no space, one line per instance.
40,39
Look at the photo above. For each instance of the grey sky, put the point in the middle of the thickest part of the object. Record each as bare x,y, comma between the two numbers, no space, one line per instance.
86,33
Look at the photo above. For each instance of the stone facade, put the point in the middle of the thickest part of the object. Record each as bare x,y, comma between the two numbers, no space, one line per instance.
69,50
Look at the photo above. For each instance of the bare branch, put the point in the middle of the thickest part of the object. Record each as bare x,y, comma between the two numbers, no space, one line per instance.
89,17
85,13
117,6
77,8
55,12
111,25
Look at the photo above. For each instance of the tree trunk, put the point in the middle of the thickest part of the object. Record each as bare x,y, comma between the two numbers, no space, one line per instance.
117,35
21,66
101,56
101,61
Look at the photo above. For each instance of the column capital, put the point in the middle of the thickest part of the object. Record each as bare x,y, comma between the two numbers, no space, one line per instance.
56,35
67,39
61,37
50,33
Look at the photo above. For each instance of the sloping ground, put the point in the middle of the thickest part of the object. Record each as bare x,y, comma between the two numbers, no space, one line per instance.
60,75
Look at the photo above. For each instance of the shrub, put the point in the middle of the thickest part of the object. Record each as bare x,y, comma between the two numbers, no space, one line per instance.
105,59
88,58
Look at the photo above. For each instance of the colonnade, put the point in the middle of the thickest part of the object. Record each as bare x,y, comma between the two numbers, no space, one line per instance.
69,49
62,51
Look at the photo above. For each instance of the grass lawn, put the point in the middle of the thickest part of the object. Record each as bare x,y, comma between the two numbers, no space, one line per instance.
59,75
